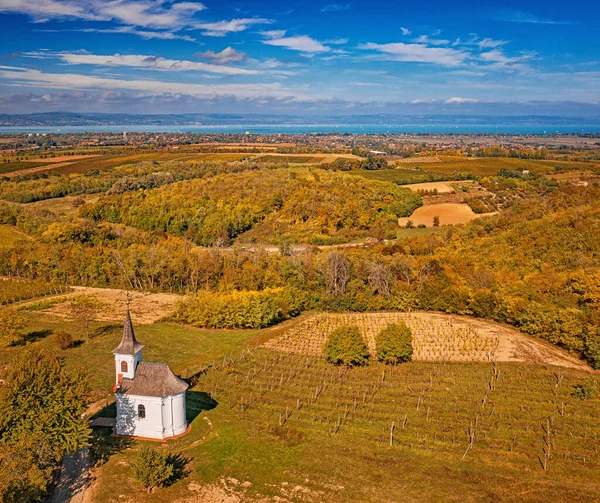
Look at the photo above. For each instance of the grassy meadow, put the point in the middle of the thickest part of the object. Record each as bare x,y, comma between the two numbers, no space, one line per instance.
271,424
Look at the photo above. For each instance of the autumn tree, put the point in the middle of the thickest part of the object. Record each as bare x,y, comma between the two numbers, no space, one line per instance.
41,408
85,308
11,328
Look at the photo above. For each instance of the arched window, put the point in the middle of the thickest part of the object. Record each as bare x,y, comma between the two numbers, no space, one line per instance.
123,366
141,411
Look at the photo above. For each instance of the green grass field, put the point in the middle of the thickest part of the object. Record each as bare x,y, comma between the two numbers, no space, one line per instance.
294,427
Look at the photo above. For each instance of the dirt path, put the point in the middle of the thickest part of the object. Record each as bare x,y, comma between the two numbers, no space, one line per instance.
74,477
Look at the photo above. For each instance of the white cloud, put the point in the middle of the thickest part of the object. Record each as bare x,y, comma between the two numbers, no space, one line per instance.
458,100
336,7
481,43
488,43
222,28
418,53
227,55
145,34
336,41
273,33
405,31
516,16
301,43
499,61
365,84
72,81
141,61
159,14
424,39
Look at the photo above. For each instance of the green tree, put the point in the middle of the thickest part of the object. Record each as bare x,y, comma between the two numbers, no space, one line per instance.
11,328
394,344
153,468
436,221
346,346
41,408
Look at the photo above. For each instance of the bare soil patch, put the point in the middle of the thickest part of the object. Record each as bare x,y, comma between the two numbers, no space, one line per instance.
441,187
436,337
449,214
146,308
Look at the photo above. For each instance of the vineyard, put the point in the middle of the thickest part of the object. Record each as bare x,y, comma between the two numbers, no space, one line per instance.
436,337
291,159
15,289
418,159
526,418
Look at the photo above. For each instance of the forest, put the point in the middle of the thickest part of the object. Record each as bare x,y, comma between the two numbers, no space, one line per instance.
193,227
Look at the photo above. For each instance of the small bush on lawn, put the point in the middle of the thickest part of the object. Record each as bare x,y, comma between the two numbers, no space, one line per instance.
394,344
585,389
345,346
63,340
154,468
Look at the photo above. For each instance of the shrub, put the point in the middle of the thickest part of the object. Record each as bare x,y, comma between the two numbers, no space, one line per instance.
245,309
154,468
591,350
587,388
11,328
63,340
346,346
394,344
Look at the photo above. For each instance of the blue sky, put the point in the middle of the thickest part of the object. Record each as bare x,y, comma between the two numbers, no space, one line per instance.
154,56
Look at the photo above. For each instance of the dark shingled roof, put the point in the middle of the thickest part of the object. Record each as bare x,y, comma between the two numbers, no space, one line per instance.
128,346
153,379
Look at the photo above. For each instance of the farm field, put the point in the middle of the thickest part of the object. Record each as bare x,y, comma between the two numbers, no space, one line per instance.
302,159
86,163
417,160
442,188
146,308
449,214
436,337
483,166
7,169
269,425
13,290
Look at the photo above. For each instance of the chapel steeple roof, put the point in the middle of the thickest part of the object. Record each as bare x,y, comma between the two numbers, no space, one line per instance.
129,345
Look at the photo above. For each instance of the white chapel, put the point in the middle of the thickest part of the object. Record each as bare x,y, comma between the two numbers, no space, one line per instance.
150,397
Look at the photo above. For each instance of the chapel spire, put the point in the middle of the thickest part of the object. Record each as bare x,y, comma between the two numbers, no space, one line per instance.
129,345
